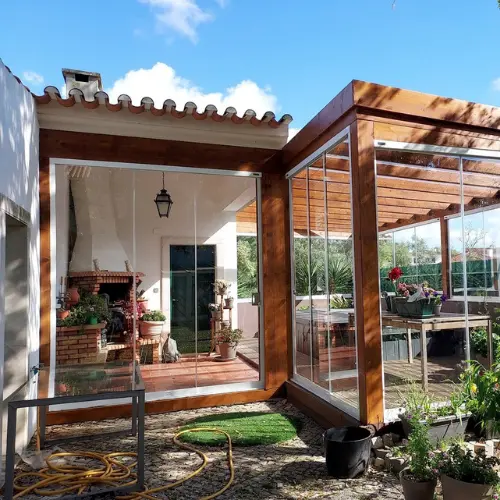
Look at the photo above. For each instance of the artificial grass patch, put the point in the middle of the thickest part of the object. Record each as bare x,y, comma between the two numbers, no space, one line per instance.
245,429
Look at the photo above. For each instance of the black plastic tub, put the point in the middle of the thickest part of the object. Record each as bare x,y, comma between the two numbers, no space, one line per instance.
347,451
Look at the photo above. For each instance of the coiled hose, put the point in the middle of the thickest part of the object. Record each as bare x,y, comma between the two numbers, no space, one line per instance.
56,480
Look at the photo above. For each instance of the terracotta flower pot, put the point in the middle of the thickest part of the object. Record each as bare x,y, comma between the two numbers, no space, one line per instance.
143,305
414,490
151,329
459,490
227,351
62,314
73,295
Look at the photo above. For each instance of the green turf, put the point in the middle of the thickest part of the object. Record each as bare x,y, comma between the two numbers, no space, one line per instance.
245,428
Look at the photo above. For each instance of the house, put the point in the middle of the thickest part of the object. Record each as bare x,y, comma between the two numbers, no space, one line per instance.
292,227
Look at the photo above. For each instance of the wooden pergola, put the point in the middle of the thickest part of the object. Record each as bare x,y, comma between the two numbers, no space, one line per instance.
372,189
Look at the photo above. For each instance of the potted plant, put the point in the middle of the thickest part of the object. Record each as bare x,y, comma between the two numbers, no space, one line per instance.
415,301
437,301
468,476
479,344
227,339
443,421
96,308
393,276
420,478
142,301
221,287
215,311
482,391
229,302
152,324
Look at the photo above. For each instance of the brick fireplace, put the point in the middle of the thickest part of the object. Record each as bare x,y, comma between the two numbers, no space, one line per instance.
118,285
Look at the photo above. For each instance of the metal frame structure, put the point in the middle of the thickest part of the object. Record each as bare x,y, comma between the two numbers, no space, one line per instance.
137,396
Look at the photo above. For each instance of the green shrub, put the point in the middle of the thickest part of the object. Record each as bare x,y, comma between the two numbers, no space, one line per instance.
153,316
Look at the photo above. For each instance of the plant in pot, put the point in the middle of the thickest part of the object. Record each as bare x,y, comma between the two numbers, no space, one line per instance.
420,478
229,301
142,301
96,307
228,339
416,300
437,300
221,287
215,311
152,324
394,275
482,390
443,421
468,476
479,344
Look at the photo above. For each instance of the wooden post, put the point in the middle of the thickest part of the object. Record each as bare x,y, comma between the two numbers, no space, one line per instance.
277,289
366,273
445,256
45,290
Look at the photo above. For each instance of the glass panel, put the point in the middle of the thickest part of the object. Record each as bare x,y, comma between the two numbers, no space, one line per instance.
341,348
324,320
413,190
95,271
304,276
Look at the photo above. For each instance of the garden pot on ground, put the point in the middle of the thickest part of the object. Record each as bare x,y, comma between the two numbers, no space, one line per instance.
227,351
442,428
151,329
414,490
347,451
459,490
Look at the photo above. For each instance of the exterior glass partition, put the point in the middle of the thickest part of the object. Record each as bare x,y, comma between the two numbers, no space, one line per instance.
443,234
323,274
163,291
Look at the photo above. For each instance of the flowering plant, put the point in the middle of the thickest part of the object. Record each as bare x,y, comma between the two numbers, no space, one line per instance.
394,275
229,336
465,466
406,289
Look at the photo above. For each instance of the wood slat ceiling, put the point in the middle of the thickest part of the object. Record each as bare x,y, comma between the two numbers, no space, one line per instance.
411,188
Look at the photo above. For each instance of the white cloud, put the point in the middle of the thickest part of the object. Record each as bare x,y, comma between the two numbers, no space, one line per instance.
182,16
161,82
496,84
292,132
32,77
222,3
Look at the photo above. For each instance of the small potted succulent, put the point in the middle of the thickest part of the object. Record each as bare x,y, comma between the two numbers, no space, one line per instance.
227,339
468,476
437,300
420,478
152,324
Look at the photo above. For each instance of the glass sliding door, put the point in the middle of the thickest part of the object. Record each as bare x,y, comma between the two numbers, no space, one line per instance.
177,294
322,269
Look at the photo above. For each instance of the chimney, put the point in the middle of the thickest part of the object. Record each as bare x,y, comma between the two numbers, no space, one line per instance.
88,83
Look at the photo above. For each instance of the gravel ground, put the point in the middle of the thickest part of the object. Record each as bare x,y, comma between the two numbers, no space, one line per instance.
291,470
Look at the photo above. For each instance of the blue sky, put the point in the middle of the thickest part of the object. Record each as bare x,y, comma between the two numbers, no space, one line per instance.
289,55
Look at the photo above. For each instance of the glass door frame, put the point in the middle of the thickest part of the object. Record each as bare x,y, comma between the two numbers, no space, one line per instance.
162,395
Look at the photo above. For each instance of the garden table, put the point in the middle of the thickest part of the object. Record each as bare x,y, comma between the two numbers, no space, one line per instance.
65,384
446,321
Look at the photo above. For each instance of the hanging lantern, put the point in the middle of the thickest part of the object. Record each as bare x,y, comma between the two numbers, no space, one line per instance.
163,201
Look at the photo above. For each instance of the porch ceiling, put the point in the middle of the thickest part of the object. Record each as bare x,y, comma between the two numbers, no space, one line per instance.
411,188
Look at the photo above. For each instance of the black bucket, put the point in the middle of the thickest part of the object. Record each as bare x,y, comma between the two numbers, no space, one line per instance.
347,451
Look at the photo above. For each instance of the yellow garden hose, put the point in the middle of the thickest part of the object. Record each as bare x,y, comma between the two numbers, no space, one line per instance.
55,480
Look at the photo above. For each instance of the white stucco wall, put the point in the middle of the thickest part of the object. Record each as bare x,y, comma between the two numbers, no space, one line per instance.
19,167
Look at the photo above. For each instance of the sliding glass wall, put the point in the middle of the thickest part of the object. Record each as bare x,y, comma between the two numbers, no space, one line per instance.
324,327
437,224
134,284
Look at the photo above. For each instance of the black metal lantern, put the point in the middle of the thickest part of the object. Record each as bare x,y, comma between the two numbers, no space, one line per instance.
163,201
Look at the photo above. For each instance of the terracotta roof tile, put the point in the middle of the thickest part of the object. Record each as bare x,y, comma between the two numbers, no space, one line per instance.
101,99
